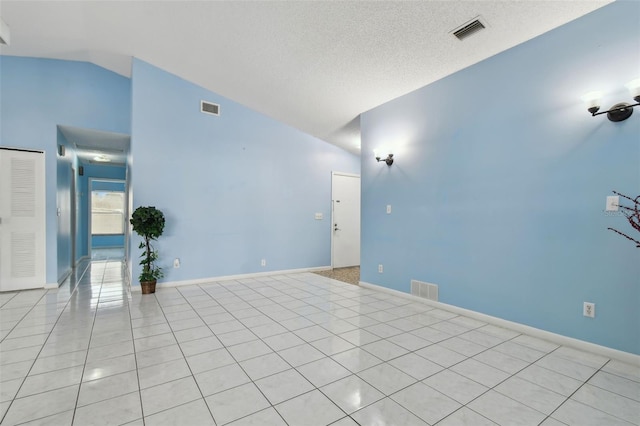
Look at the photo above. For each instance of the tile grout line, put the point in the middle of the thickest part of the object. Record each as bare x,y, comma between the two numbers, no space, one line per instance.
322,325
135,353
381,339
580,387
41,348
84,366
258,338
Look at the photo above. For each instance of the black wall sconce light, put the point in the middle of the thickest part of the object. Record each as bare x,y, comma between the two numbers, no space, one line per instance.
620,111
388,160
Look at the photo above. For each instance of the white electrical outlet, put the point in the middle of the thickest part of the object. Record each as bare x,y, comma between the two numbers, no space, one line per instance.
263,262
589,310
613,203
380,269
176,262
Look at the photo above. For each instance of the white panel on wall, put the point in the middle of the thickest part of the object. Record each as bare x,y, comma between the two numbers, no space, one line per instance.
22,220
23,187
23,255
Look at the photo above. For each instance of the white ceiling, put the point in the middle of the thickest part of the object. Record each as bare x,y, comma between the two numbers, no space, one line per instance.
90,143
315,65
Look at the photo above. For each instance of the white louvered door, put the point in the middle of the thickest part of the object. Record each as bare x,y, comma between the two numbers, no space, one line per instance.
22,220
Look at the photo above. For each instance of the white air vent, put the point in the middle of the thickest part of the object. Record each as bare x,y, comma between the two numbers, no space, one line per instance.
424,290
209,108
469,29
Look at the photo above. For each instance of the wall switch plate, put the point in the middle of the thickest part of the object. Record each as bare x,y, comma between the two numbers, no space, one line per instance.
589,310
380,269
388,208
263,262
176,262
318,216
613,203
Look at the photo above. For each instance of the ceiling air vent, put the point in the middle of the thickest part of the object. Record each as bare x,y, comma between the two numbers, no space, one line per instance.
469,29
209,108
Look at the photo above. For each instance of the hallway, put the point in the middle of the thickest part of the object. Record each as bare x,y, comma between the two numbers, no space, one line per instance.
295,349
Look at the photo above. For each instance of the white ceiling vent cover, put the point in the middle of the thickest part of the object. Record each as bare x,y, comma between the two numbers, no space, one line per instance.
209,108
470,28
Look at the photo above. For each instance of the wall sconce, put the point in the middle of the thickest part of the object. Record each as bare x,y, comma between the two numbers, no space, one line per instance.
388,160
620,111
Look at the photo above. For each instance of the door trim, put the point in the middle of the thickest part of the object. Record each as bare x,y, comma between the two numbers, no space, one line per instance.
89,195
333,173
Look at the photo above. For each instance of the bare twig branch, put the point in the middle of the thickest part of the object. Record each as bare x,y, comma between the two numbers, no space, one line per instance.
626,236
632,214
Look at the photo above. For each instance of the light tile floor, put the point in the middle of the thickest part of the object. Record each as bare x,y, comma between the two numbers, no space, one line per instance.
284,350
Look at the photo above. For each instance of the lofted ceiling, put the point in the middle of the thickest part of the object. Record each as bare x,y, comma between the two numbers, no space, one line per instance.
315,65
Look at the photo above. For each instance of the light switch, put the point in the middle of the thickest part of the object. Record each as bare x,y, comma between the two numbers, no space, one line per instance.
318,216
388,208
613,201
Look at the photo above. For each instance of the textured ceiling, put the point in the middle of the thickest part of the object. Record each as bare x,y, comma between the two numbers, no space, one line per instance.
313,65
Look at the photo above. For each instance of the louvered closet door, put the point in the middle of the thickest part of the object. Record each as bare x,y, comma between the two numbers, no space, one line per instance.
22,220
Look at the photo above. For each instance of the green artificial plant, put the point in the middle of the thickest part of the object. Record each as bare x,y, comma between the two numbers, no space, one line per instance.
148,222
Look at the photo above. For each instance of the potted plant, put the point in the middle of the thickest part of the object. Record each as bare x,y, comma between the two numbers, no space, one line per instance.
148,222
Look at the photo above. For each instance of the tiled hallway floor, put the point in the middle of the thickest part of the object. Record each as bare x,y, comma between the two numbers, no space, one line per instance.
285,350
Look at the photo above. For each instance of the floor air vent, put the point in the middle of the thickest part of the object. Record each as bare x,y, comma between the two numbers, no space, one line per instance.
209,108
469,29
424,290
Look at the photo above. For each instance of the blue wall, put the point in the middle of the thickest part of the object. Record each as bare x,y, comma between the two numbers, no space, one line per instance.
500,179
234,189
38,94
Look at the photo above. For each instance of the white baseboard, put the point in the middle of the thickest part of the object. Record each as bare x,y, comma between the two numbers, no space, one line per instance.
51,286
137,288
61,279
531,331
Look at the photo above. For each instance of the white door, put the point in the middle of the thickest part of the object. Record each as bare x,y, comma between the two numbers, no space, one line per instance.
22,220
345,198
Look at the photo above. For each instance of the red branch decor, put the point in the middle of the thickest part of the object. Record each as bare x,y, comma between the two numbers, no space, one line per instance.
633,216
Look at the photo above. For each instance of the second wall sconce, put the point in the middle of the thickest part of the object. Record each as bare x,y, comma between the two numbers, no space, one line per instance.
388,160
620,111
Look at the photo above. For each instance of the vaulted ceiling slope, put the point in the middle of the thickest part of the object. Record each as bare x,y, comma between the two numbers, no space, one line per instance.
315,65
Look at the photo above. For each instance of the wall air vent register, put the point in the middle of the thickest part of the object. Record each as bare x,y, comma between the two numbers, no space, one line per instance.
209,108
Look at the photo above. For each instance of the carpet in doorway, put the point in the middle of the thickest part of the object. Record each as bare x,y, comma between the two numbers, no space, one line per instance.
349,275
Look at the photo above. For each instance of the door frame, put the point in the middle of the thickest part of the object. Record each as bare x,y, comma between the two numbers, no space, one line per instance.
74,220
89,196
333,173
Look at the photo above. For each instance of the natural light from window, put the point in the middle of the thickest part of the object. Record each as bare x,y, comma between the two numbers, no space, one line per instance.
107,213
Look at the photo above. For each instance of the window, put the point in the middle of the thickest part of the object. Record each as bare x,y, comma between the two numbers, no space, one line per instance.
107,213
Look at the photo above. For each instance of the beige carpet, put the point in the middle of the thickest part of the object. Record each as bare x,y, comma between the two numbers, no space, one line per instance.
349,275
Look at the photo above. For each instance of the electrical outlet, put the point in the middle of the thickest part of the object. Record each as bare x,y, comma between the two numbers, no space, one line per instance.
380,269
176,262
613,203
589,310
263,262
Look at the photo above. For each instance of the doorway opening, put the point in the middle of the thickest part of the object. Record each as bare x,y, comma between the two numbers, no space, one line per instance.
345,221
107,208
